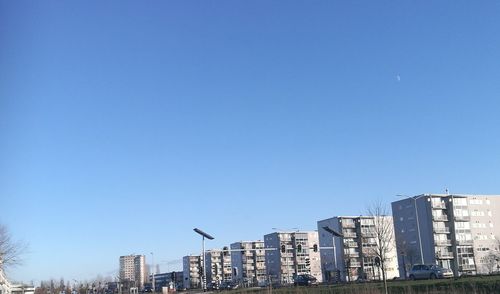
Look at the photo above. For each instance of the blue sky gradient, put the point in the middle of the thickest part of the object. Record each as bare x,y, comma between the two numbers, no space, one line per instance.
125,124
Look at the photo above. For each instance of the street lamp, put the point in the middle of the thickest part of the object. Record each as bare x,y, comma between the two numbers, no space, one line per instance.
204,271
418,225
334,234
153,271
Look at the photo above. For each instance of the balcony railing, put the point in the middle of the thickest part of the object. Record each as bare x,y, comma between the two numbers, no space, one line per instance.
354,264
467,267
351,244
438,205
443,218
350,235
348,225
368,233
351,254
462,218
444,255
464,242
443,242
369,251
442,230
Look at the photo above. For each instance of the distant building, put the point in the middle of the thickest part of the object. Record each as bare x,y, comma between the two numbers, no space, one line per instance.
296,253
191,265
352,257
249,263
218,263
460,232
133,269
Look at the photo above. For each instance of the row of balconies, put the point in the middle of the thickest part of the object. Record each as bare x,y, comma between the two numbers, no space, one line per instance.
444,218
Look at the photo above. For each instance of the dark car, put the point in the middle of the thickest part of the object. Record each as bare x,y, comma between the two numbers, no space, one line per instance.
429,271
305,280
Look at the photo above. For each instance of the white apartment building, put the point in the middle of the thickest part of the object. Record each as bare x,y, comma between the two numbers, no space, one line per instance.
133,269
351,256
249,263
192,271
294,253
457,231
218,263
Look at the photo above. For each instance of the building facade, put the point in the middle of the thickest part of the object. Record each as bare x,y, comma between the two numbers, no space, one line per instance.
133,270
218,263
352,255
249,263
192,271
289,254
459,232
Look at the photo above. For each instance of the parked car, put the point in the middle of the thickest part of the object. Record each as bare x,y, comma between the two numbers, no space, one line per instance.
429,271
305,280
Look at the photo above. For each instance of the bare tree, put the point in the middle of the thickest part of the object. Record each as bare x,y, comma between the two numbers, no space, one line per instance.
384,235
10,250
492,258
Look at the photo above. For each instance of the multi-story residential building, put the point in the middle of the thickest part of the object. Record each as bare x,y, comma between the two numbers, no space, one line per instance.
249,263
295,253
218,263
133,269
351,255
227,270
457,231
192,271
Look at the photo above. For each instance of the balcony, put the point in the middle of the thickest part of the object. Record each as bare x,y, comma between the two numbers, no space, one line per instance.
348,224
368,233
444,255
465,218
351,244
438,205
354,264
441,230
351,254
442,242
369,251
467,267
442,218
464,242
350,235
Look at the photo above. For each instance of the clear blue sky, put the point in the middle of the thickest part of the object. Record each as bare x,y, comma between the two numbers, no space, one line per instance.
125,124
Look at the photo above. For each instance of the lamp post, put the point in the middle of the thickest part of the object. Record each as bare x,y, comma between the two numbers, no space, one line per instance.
153,271
418,224
204,270
334,234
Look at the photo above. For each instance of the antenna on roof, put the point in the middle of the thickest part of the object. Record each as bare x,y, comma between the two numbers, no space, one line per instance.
447,192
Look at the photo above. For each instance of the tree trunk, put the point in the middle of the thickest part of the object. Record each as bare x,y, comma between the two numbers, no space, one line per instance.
382,265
